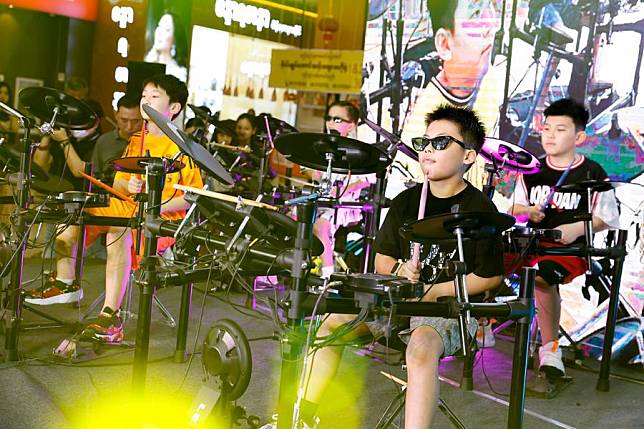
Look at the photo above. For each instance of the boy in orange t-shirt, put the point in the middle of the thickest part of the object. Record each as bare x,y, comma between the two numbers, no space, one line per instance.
168,95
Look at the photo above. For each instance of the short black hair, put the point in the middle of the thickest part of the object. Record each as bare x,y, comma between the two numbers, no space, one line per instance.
194,122
468,122
227,126
128,101
249,117
352,111
175,88
441,13
571,108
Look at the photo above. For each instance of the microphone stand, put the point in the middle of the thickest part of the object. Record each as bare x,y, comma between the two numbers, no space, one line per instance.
377,192
392,143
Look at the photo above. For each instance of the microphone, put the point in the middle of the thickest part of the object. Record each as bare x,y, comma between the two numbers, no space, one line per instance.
334,132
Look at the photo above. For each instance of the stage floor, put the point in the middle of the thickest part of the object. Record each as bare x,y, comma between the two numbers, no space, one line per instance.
41,393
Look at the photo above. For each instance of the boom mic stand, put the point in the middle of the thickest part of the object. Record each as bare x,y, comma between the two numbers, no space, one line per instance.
377,192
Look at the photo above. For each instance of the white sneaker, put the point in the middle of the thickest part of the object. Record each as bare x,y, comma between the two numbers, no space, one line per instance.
550,359
485,336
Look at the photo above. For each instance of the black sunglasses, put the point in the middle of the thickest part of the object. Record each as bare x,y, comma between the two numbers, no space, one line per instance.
336,119
438,143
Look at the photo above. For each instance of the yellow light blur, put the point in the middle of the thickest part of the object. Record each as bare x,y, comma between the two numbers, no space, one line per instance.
161,408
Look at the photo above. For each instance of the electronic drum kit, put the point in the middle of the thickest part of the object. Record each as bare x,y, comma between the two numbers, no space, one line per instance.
270,242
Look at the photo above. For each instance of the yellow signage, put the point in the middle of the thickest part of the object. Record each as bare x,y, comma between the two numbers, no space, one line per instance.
316,70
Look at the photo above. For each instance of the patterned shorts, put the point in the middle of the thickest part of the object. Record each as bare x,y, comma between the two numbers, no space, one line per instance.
446,328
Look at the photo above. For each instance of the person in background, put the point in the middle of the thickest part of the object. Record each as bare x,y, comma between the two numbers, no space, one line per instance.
245,130
9,127
341,118
8,124
193,124
111,145
224,132
78,88
64,153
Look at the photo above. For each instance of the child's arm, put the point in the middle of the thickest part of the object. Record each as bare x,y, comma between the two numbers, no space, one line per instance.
527,213
475,285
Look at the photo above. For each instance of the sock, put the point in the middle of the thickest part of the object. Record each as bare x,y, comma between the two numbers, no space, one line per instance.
327,271
68,282
107,311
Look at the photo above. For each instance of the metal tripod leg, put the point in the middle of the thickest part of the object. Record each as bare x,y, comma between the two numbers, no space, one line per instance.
55,322
98,301
165,312
390,415
126,313
127,303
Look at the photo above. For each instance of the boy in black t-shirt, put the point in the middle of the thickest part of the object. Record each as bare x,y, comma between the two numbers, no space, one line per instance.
564,125
449,147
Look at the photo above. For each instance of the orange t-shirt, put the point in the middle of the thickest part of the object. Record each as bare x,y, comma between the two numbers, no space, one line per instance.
158,146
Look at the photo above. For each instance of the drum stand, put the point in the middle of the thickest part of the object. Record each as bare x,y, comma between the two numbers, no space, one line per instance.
617,253
292,350
80,253
300,303
155,173
19,239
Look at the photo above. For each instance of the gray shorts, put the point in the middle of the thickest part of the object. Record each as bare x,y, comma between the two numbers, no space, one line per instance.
446,328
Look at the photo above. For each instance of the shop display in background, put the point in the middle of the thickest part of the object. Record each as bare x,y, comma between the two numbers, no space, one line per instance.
235,80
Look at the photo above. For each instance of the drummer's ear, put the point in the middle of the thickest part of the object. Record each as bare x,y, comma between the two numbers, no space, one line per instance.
444,42
469,158
174,109
580,137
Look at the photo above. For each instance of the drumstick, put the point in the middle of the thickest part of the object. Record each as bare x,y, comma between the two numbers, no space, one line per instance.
296,180
224,197
559,183
107,188
233,148
415,258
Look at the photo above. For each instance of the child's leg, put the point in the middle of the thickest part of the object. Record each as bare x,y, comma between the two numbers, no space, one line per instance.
548,304
423,354
324,364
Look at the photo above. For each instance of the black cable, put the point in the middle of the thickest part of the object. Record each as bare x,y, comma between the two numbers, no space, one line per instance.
194,348
487,379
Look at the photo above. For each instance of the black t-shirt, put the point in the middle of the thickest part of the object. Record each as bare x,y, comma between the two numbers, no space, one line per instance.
565,206
483,257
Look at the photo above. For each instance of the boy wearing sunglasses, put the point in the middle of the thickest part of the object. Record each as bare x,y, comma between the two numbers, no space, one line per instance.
453,136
